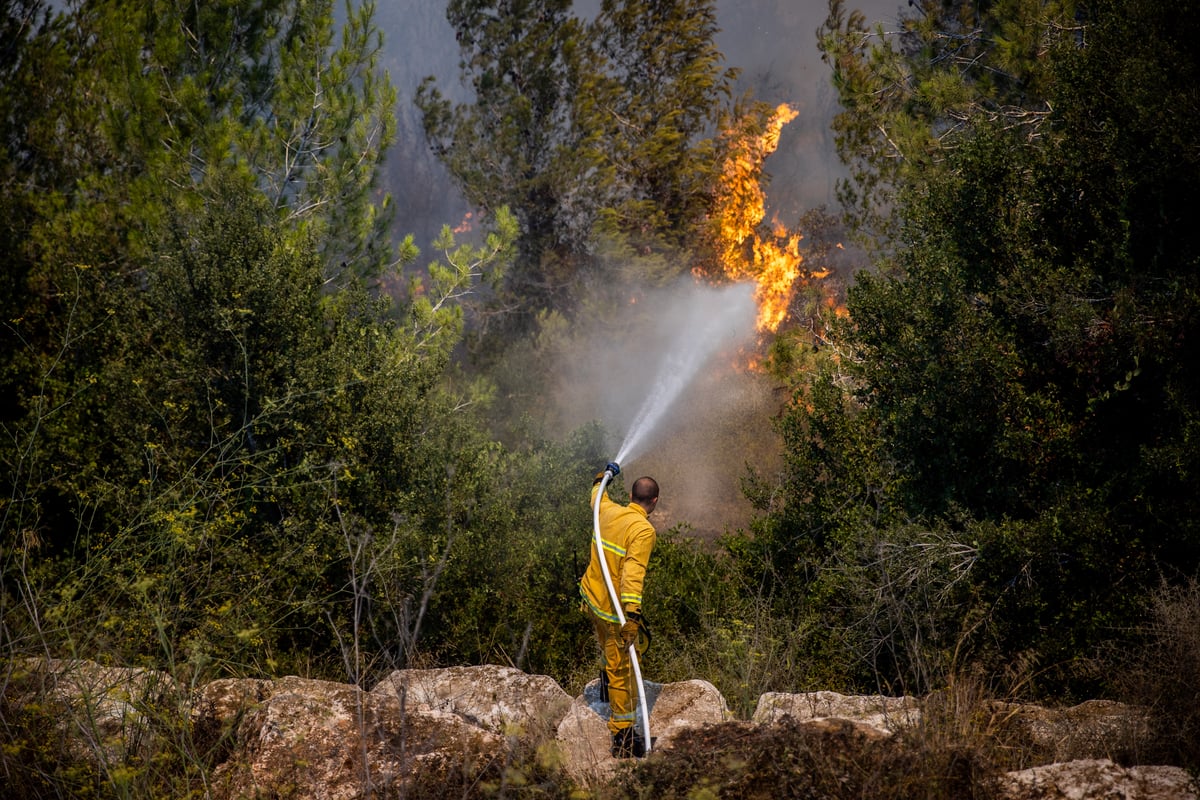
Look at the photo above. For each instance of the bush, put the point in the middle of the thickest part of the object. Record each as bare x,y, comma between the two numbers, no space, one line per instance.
1163,675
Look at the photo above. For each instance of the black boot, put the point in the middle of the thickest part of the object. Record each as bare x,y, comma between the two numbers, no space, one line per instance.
628,744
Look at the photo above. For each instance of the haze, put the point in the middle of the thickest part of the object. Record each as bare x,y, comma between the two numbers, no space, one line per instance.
720,423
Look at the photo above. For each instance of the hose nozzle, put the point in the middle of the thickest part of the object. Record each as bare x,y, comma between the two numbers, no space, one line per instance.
613,468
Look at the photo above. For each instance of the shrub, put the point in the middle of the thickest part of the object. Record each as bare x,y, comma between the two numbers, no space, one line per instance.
1164,675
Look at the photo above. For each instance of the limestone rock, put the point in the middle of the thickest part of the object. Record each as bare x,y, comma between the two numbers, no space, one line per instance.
1090,730
1098,779
453,728
585,741
887,714
685,704
841,727
332,741
226,700
500,699
107,711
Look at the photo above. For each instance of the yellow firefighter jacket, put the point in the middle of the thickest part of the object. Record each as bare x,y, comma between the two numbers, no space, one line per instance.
628,538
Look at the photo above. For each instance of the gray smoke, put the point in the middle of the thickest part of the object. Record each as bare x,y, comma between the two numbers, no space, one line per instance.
721,422
772,42
704,322
666,372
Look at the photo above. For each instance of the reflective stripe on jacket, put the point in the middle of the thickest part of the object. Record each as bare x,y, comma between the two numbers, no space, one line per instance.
628,539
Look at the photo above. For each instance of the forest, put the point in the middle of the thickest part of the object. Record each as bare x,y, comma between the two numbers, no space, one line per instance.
251,428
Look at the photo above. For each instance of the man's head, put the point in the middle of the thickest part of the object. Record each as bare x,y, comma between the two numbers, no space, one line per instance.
645,493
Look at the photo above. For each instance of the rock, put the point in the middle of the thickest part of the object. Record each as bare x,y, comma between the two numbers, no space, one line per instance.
332,741
585,741
225,700
1093,729
499,699
886,714
1098,779
685,704
449,731
841,727
106,712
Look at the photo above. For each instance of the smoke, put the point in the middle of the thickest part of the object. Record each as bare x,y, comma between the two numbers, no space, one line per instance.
703,322
722,420
419,42
666,373
772,42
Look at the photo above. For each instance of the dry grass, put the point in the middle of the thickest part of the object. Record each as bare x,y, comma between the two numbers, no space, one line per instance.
1164,677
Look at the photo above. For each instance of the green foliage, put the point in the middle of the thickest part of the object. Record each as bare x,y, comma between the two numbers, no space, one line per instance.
206,408
832,481
223,454
512,594
513,146
38,759
317,154
436,309
68,731
911,96
648,110
600,135
1011,390
231,403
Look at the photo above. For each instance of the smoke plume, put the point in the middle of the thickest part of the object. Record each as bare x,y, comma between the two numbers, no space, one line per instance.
666,373
722,421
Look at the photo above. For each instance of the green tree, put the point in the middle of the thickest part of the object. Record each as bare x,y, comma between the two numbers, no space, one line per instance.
317,139
189,352
273,454
513,144
910,96
650,111
1059,286
603,136
116,112
1017,390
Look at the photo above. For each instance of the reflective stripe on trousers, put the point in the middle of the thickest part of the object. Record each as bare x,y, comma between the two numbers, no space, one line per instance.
621,685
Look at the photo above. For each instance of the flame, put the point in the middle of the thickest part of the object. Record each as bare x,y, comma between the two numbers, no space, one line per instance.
772,262
745,251
465,225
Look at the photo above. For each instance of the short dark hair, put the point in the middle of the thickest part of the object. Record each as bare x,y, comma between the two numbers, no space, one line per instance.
645,490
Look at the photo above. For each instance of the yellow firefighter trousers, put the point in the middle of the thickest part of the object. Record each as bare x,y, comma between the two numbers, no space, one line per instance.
622,689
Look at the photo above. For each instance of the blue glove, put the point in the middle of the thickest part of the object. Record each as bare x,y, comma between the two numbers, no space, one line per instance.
613,467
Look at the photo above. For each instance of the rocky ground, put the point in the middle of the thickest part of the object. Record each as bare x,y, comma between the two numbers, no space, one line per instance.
420,729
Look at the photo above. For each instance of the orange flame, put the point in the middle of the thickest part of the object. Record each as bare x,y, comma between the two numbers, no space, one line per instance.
773,263
772,260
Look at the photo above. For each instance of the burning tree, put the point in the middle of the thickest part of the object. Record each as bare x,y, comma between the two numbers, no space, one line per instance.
599,135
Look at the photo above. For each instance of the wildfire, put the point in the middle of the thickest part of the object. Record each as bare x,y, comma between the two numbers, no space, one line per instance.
773,261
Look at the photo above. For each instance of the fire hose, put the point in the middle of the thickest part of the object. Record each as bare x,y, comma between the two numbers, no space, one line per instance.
612,594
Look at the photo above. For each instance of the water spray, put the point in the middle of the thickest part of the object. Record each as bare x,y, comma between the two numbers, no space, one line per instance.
717,316
610,471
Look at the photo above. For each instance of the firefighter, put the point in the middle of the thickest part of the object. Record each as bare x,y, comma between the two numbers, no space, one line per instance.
628,539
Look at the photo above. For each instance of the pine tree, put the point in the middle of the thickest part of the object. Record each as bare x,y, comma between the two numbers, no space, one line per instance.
598,135
910,96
